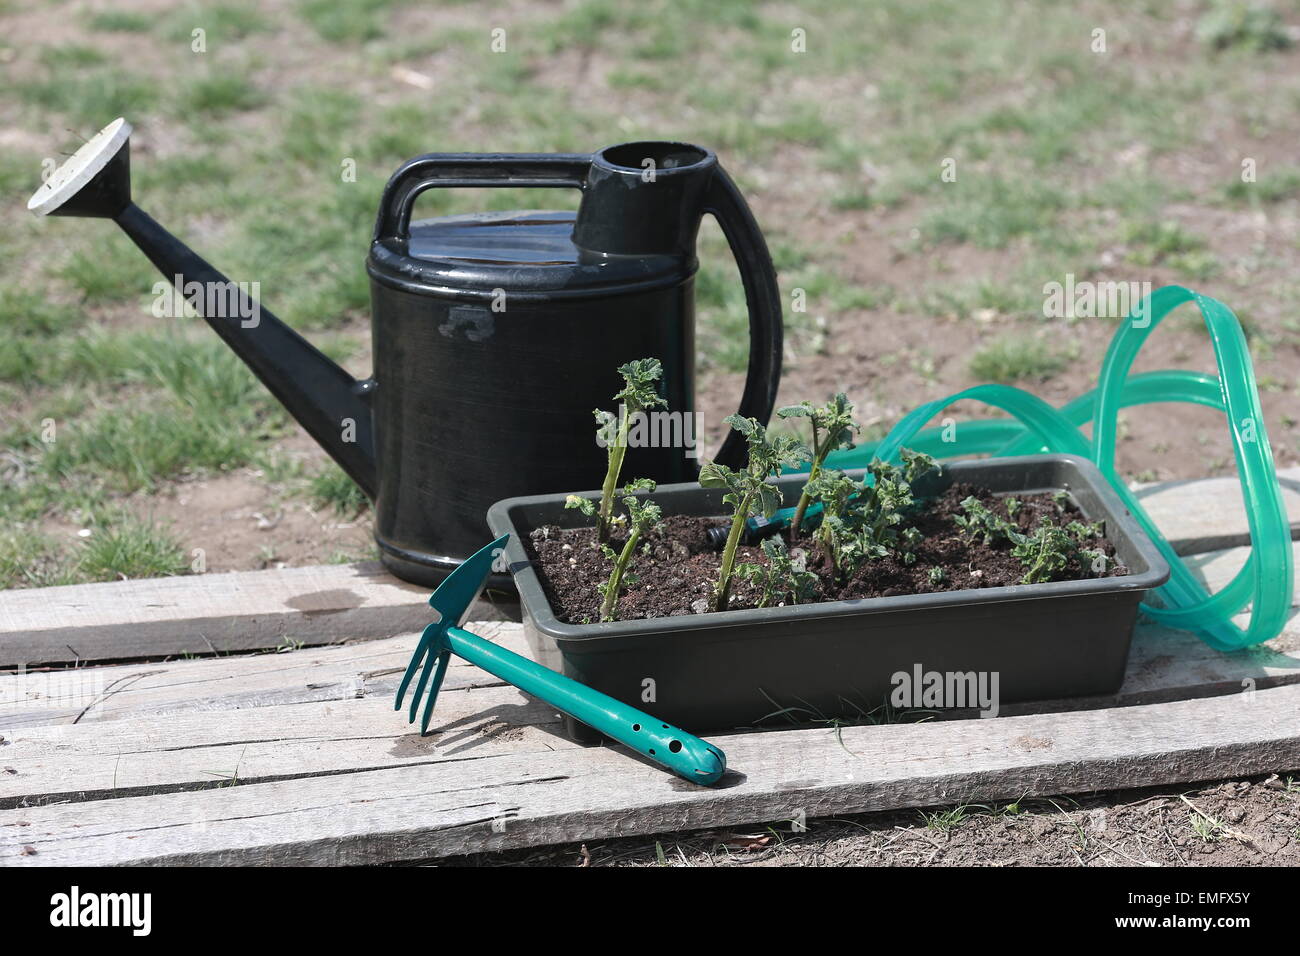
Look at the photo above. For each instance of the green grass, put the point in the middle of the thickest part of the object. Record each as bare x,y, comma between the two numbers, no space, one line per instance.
71,57
724,315
1251,25
1270,186
208,380
121,21
1164,243
1017,359
224,24
312,253
90,97
19,173
224,90
25,310
990,210
130,549
317,126
135,450
194,408
203,171
345,21
950,818
944,820
331,488
109,269
962,298
30,559
86,355
119,548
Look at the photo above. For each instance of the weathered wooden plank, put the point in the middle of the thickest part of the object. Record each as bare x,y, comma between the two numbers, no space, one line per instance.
158,741
186,751
1207,514
196,723
210,613
511,800
227,683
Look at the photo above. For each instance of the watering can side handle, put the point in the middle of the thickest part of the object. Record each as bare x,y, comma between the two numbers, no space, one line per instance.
725,203
472,170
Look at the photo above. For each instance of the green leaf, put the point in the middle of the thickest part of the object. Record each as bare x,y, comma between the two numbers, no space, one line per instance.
768,499
713,475
585,505
746,426
641,390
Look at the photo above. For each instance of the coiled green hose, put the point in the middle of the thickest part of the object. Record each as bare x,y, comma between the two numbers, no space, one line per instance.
1266,581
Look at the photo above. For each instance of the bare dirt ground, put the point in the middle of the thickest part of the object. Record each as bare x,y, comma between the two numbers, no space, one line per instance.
1234,823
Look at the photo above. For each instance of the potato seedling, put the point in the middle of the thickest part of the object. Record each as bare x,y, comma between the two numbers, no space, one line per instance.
748,491
833,428
833,489
1049,549
865,521
886,501
1046,550
639,393
779,580
642,517
979,521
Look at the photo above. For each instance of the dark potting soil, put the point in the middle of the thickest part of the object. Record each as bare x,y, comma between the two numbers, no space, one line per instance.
678,574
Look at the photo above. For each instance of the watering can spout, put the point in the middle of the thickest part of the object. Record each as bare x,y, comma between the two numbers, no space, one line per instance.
329,403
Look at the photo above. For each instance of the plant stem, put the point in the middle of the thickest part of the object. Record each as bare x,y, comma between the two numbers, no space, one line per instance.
723,592
805,499
616,454
827,541
616,576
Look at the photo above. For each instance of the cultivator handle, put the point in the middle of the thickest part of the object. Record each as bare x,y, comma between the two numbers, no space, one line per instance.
684,754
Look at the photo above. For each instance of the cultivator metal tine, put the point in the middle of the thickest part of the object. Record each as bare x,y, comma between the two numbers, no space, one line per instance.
438,675
421,650
452,601
427,659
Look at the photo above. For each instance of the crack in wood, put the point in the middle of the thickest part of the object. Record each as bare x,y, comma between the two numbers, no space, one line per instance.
110,690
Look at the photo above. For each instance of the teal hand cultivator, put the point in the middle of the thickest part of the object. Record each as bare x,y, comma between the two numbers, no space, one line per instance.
687,756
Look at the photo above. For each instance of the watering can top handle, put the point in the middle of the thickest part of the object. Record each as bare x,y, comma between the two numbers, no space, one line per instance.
724,202
469,170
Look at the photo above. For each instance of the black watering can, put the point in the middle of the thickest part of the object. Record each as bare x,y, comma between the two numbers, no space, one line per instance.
495,335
